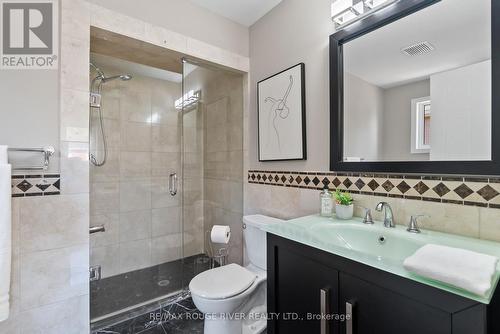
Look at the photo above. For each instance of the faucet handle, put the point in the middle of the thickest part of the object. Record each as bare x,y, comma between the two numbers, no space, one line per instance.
413,226
368,219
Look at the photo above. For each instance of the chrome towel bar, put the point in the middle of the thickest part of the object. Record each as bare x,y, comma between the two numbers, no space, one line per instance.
47,152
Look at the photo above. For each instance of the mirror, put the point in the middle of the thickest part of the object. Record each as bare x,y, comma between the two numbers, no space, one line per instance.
419,88
415,88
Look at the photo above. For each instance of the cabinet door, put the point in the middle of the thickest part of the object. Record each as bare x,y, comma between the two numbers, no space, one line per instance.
376,310
301,284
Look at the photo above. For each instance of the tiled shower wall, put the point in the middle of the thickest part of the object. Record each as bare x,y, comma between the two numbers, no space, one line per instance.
222,110
129,194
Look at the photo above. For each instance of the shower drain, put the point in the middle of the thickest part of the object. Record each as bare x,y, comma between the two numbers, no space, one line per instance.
163,282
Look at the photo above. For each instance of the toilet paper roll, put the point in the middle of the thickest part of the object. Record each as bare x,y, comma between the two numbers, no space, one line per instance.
220,234
3,154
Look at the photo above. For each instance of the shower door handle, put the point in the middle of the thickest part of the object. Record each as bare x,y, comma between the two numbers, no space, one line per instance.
172,184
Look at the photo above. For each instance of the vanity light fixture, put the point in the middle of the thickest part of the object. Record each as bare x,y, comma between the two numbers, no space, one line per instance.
345,12
188,100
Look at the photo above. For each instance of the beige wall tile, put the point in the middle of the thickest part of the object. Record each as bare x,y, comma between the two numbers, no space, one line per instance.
135,225
113,133
161,36
135,165
104,198
74,164
165,163
135,255
51,319
160,195
110,101
489,224
166,221
216,113
116,22
75,19
193,243
136,136
165,138
217,139
74,115
74,54
54,275
54,318
51,222
111,235
286,203
135,103
110,171
108,257
135,195
166,248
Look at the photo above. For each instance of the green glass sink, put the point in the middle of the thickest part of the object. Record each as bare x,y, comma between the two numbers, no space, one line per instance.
380,247
382,243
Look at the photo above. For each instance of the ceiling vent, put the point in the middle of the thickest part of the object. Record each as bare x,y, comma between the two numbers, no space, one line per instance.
418,49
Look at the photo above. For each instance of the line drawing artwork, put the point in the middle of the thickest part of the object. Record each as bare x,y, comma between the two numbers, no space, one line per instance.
279,110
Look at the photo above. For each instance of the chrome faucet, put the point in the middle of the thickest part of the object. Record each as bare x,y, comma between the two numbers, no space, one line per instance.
388,215
413,226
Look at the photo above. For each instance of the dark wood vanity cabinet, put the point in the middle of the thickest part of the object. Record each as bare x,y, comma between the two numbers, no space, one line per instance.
304,282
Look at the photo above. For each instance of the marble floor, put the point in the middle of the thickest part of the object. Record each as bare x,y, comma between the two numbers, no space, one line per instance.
126,290
179,316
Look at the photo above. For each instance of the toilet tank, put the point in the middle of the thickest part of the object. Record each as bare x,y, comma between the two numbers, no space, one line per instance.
254,238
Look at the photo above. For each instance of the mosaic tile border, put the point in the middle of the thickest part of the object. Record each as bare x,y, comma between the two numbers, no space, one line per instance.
36,185
461,190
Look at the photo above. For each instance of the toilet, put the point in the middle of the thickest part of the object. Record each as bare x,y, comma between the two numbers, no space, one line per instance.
232,298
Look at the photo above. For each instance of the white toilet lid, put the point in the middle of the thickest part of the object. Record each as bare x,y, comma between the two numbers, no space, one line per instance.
222,282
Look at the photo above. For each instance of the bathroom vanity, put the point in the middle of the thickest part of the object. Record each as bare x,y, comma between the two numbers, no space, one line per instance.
319,266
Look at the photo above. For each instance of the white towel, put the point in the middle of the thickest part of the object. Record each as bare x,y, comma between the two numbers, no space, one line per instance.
462,268
3,154
5,239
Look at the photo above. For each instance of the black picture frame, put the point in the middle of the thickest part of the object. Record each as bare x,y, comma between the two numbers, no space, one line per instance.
388,15
303,113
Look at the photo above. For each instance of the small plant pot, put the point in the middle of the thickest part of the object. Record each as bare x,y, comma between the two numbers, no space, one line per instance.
344,211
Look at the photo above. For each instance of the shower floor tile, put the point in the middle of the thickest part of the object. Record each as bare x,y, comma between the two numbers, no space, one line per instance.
119,292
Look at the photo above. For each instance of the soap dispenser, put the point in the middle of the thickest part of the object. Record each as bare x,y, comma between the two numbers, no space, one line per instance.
326,203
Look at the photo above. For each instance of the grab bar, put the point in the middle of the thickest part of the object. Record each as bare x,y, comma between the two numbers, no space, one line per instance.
46,151
97,229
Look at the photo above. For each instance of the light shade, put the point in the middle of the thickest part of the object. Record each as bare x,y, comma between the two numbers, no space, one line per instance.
349,11
340,6
189,99
376,3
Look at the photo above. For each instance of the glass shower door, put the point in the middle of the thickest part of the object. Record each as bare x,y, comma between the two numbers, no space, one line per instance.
193,242
133,194
212,164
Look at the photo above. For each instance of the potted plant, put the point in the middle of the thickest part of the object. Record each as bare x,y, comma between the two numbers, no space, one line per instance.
344,207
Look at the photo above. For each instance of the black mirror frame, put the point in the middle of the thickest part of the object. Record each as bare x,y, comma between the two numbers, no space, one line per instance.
390,14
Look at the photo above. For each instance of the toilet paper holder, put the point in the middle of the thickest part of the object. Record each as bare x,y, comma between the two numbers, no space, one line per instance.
218,255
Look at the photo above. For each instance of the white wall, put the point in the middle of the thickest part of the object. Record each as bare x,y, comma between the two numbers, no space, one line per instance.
364,120
186,18
461,113
397,121
29,113
294,31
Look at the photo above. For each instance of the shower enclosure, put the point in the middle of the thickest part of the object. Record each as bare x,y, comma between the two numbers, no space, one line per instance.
166,165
